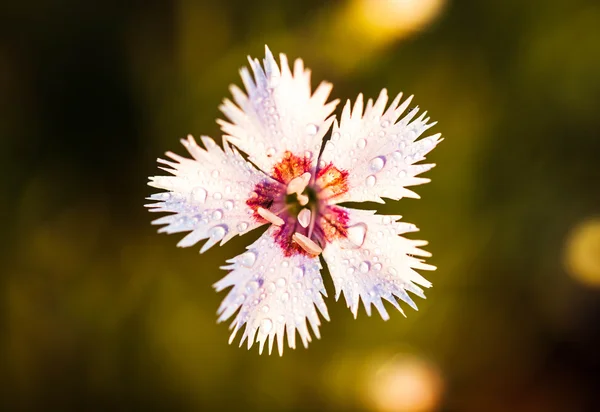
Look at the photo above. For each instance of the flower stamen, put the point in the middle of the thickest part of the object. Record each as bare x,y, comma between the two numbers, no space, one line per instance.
307,244
302,199
304,217
270,216
298,184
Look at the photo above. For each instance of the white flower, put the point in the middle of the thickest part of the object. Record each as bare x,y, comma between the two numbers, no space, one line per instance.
295,189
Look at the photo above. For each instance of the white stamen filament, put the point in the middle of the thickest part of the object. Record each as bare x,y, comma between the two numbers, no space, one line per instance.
304,217
307,244
298,184
302,199
312,222
270,216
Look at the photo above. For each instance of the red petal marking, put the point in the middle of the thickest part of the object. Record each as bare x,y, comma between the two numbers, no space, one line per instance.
263,196
290,166
332,180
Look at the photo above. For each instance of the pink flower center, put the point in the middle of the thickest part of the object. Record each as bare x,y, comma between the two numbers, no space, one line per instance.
298,203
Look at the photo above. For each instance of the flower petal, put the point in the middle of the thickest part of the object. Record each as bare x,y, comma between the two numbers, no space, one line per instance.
378,151
273,293
279,113
207,194
374,263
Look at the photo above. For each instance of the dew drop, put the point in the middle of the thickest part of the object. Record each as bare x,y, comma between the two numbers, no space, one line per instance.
316,282
377,163
252,286
242,226
357,234
271,287
370,181
240,299
248,259
377,267
350,270
217,214
271,151
335,136
280,282
285,297
215,173
364,267
265,309
228,205
218,232
280,318
312,129
162,196
217,196
266,325
199,195
402,173
298,272
385,123
362,143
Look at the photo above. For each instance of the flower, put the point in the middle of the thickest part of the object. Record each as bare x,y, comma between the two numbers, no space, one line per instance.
291,185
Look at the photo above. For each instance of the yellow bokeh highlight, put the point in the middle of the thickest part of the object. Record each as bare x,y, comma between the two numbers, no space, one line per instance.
403,383
387,20
582,253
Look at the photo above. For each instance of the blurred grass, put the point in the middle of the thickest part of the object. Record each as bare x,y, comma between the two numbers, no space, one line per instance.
100,312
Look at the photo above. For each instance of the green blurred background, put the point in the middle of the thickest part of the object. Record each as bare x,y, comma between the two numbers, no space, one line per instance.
101,313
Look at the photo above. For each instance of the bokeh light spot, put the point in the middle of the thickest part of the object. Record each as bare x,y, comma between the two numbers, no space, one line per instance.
582,252
404,383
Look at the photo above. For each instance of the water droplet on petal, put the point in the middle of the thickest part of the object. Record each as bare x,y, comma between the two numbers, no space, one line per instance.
312,129
280,282
252,286
228,205
215,173
377,267
377,163
266,325
370,181
248,259
162,196
298,272
285,297
350,270
217,214
265,309
385,123
217,196
199,195
357,234
240,299
362,143
364,267
218,232
271,287
335,136
316,281
271,151
242,226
